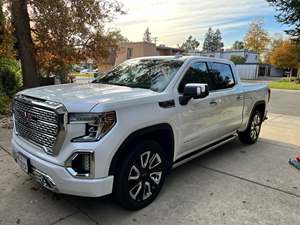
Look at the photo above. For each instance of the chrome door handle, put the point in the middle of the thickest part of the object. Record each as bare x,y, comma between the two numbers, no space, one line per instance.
240,97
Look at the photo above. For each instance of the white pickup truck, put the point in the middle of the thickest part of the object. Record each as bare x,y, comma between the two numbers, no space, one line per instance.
124,132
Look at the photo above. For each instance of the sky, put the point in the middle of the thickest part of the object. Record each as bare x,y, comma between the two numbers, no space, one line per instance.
172,21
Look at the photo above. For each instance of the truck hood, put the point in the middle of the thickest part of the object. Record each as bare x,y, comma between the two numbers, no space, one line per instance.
83,97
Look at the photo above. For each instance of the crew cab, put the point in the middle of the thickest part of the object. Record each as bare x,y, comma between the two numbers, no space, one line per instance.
125,131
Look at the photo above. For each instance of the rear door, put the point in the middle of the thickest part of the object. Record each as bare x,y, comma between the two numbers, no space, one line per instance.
228,98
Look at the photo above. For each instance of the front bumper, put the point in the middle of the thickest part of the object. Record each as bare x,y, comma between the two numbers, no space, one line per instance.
57,179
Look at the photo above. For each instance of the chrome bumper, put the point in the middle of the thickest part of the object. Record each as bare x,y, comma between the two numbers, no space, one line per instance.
45,180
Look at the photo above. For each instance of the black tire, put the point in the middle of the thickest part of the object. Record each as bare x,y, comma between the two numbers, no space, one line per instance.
250,135
141,175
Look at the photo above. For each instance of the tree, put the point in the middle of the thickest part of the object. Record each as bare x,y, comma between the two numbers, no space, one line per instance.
208,40
238,45
257,38
289,14
26,51
147,36
6,37
237,59
65,32
275,41
78,35
217,40
212,41
285,55
190,44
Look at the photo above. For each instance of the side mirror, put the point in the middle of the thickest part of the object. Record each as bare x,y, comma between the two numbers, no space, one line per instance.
195,91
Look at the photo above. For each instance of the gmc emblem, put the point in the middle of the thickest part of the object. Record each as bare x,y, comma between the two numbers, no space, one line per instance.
27,117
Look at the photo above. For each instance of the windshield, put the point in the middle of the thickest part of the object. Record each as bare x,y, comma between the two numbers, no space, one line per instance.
154,74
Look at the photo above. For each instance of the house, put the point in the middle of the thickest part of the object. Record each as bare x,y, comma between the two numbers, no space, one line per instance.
164,50
251,69
130,50
251,57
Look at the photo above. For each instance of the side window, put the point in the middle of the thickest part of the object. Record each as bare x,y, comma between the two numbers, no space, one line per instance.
197,73
221,76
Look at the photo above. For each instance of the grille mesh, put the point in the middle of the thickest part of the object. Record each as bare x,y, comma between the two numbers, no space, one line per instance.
36,124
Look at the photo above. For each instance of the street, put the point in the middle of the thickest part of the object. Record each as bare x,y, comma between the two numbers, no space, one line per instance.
233,184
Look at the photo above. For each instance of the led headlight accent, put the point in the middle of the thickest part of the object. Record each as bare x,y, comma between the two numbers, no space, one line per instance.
96,125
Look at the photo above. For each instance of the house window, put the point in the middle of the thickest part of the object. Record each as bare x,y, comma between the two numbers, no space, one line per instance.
129,53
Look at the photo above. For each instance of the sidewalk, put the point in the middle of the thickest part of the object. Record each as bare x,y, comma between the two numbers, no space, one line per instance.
5,136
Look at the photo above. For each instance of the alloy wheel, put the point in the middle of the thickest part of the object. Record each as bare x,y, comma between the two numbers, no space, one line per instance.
145,175
255,126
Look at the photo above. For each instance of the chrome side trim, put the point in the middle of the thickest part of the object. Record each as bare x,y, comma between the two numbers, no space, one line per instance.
203,151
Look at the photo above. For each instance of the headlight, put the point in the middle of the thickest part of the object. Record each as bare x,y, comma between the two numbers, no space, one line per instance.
96,124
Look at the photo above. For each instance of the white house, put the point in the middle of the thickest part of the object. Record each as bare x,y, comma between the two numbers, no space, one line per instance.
251,69
251,57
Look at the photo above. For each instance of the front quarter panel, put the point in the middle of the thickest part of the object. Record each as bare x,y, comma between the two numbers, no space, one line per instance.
129,120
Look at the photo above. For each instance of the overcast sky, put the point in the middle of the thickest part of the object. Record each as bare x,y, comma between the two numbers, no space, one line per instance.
171,21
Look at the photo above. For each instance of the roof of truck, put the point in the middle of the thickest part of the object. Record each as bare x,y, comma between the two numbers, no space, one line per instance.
186,58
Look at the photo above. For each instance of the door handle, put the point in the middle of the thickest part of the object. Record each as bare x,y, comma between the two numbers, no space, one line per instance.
239,97
213,103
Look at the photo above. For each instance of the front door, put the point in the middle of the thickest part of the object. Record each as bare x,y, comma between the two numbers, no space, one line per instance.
198,120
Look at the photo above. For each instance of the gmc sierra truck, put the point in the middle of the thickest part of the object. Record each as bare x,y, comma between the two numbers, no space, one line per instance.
125,131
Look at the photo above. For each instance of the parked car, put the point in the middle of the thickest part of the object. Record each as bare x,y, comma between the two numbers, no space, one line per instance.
89,71
123,133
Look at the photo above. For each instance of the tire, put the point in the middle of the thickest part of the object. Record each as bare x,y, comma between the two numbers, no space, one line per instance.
141,176
250,135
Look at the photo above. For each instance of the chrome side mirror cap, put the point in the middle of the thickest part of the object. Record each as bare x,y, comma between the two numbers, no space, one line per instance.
193,90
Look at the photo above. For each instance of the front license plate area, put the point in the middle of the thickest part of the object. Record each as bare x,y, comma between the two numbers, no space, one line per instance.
23,162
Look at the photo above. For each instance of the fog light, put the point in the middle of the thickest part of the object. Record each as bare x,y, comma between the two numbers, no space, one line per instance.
81,164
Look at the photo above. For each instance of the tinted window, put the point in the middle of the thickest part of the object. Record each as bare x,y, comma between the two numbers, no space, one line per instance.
154,74
197,73
221,75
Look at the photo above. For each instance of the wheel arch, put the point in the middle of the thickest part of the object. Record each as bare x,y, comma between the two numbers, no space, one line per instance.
260,106
162,133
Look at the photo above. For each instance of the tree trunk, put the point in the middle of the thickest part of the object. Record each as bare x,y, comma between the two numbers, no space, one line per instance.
26,50
291,74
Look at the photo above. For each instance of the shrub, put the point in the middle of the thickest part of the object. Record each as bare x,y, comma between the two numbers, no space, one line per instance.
10,82
5,103
236,59
10,76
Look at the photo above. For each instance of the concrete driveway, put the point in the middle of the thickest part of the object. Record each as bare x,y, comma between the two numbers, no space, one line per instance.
234,184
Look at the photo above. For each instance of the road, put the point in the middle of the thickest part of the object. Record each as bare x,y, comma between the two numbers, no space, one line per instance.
234,184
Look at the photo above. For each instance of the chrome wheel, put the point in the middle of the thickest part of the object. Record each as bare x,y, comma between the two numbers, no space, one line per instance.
255,126
144,176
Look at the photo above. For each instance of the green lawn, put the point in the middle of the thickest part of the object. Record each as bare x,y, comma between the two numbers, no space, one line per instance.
77,74
284,85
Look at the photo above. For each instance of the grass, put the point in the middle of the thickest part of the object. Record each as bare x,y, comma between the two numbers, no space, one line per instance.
284,85
84,75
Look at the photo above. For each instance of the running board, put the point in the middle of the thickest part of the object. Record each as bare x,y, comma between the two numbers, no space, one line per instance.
203,150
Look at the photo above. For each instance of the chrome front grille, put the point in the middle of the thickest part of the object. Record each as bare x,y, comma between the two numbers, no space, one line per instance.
40,122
